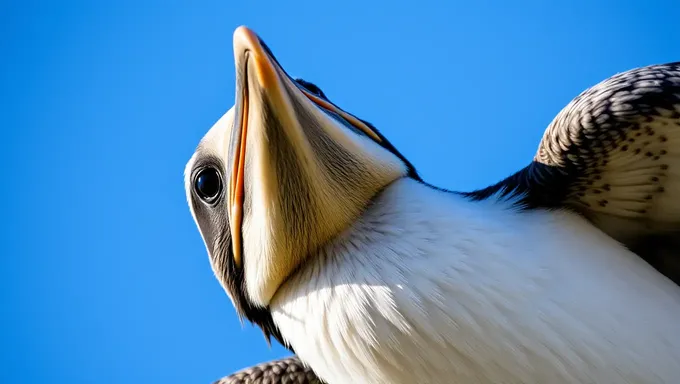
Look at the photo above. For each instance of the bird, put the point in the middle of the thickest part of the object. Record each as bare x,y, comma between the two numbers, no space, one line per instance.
325,236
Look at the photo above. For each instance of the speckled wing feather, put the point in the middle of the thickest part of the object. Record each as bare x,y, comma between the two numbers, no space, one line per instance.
289,370
613,155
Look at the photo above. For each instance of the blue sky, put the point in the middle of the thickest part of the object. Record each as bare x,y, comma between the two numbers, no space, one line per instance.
104,276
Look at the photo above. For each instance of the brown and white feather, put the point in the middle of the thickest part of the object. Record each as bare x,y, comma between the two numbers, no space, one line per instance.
288,370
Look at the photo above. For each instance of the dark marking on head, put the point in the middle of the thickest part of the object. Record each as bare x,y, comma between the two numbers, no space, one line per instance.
385,143
338,162
213,223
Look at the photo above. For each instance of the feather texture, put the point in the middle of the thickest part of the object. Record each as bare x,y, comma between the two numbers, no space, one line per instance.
428,286
288,370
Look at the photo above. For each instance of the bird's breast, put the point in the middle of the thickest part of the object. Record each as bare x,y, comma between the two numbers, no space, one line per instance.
428,287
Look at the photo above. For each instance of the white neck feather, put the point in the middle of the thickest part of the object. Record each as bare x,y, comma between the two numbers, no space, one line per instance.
428,287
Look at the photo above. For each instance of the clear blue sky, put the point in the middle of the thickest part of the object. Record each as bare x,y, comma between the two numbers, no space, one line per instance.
104,276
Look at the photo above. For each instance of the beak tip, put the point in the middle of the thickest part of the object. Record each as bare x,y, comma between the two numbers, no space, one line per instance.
245,39
242,31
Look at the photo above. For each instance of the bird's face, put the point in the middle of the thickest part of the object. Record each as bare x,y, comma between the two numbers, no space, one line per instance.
279,175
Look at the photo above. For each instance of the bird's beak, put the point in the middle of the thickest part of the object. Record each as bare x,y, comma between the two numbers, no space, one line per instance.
252,55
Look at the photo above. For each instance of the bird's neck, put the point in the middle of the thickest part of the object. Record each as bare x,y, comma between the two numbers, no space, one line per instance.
411,224
420,274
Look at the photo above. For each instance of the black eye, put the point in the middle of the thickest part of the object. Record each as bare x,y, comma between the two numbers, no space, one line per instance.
208,184
312,88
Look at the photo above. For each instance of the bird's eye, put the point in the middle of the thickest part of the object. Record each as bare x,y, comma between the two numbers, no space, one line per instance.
312,88
208,184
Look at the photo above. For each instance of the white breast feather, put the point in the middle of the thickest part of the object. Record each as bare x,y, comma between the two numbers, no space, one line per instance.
430,288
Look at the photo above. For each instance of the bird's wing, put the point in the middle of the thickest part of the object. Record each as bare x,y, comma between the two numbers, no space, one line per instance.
613,155
288,370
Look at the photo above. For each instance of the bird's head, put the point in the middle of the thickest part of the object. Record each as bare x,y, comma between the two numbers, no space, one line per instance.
280,174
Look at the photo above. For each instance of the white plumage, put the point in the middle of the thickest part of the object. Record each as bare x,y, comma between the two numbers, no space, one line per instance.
427,287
